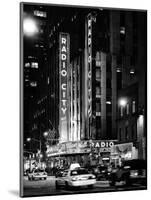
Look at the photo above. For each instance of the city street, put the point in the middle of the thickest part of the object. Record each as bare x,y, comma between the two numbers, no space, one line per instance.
47,187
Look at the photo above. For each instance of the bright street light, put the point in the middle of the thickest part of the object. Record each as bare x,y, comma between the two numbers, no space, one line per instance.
30,27
28,139
45,134
122,102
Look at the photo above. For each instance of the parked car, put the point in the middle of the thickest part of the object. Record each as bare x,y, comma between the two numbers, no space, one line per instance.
131,171
100,171
75,178
37,174
59,173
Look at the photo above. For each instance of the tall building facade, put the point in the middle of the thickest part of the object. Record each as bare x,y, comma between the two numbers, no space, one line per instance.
131,92
35,75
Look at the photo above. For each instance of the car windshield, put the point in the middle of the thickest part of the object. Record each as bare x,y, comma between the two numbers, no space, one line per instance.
39,170
79,172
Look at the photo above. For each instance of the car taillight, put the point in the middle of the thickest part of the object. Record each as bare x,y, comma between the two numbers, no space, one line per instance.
92,177
134,173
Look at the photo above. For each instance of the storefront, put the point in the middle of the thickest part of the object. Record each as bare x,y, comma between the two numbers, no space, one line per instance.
83,152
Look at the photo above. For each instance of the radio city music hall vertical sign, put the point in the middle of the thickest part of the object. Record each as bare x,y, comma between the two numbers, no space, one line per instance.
64,41
88,45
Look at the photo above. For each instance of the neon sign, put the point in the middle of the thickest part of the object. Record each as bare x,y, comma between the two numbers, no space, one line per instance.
63,69
89,53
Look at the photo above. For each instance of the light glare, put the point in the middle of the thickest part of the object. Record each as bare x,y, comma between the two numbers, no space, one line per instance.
30,27
122,102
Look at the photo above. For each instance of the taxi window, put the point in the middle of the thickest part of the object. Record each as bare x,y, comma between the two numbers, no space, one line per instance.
79,172
65,173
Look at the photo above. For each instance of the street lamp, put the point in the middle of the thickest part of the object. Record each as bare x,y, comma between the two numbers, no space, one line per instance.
45,134
30,27
123,102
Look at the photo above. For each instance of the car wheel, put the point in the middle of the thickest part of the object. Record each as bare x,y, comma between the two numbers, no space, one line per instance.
67,185
57,185
127,182
45,178
29,178
112,183
90,186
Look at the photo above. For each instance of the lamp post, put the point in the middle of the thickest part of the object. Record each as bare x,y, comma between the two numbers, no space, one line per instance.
39,141
122,104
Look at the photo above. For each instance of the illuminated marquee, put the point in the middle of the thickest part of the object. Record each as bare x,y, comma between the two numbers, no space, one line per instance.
63,68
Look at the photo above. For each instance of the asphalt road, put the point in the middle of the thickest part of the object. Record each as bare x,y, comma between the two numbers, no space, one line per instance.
47,187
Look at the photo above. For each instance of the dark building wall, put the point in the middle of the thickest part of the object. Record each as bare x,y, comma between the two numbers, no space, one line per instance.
127,114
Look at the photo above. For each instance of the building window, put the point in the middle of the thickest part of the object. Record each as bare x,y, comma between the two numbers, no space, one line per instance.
133,132
98,74
133,106
98,122
122,30
33,84
108,83
127,109
98,106
132,71
126,133
39,13
120,134
121,111
27,65
34,65
98,91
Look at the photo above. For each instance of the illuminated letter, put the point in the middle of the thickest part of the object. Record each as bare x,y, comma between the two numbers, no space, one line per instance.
111,144
64,86
64,102
64,94
64,73
63,65
89,32
64,49
89,74
63,57
89,41
89,22
64,110
89,59
64,41
102,144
